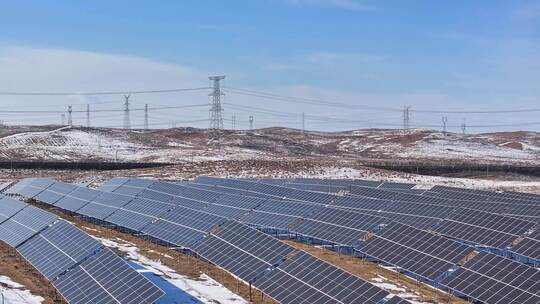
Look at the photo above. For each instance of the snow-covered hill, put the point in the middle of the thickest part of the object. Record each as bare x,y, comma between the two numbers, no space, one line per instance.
187,144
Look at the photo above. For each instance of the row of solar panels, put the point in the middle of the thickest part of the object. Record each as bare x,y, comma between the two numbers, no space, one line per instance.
78,266
417,251
459,222
397,255
265,262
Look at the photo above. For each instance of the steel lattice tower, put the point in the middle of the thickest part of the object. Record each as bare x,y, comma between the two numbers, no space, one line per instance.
127,120
146,116
70,117
216,110
88,115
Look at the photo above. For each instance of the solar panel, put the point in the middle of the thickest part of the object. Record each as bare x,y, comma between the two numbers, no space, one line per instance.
16,188
253,241
314,279
338,226
173,233
138,213
193,218
477,235
493,279
225,211
58,248
231,258
8,207
140,182
239,201
96,211
45,257
129,219
529,246
417,251
112,199
24,225
35,187
397,300
265,219
55,192
328,232
107,278
156,196
168,188
78,287
356,220
113,184
396,186
288,208
34,218
127,190
70,203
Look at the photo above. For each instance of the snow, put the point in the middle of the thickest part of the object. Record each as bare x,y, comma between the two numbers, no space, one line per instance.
15,293
204,288
395,290
69,144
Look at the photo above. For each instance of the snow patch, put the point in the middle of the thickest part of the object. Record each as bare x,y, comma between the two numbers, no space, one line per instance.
14,293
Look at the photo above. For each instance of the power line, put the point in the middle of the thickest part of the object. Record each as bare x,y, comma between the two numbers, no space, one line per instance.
98,111
306,100
102,92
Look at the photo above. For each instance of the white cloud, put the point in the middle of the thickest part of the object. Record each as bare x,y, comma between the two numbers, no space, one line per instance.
342,4
32,69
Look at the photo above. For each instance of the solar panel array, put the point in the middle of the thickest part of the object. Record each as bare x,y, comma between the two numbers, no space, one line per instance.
493,279
417,251
484,219
64,255
299,276
186,217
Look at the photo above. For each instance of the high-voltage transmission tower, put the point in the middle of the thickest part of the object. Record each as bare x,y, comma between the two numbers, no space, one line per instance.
406,118
233,122
127,120
70,116
88,115
251,122
444,121
216,110
146,116
303,123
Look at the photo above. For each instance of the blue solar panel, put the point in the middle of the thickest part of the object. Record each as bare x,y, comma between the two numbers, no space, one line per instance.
97,211
16,188
8,207
193,218
265,219
24,225
58,248
112,199
173,233
306,279
106,278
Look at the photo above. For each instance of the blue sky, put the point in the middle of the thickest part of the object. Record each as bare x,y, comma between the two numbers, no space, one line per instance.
432,55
